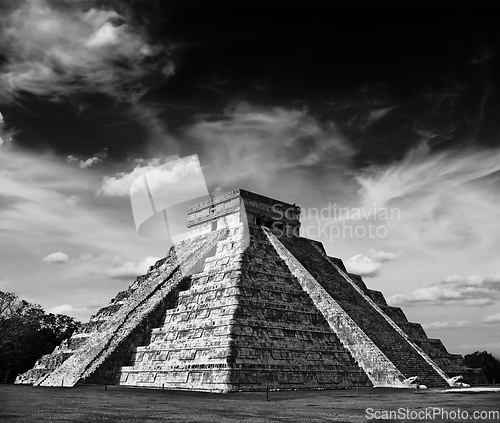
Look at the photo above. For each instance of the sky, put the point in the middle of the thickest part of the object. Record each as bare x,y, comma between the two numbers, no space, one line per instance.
385,131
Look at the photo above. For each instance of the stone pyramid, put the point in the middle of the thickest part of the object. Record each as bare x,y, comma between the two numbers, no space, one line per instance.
244,303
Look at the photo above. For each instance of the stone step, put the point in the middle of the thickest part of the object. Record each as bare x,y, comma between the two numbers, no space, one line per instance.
99,346
388,337
371,359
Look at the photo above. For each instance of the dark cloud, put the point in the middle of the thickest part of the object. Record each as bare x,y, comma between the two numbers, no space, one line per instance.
73,74
129,75
56,52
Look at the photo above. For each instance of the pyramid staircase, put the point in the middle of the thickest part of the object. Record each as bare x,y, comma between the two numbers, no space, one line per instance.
244,304
244,324
94,351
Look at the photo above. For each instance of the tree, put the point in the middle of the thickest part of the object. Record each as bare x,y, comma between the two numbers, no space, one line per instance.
8,303
485,361
27,333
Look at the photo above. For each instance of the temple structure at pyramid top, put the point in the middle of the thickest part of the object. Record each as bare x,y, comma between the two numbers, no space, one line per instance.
245,303
226,210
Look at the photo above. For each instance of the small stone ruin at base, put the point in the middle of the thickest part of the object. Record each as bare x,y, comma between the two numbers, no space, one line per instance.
245,303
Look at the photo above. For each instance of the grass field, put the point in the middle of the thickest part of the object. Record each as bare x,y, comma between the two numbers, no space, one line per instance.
117,404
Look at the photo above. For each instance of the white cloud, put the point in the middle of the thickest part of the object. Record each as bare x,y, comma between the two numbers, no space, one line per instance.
363,266
491,279
56,258
447,201
119,185
2,123
454,279
112,266
492,319
79,313
369,266
86,256
128,270
62,309
383,256
72,200
423,171
89,162
5,134
97,158
484,346
55,50
472,290
446,325
378,113
36,219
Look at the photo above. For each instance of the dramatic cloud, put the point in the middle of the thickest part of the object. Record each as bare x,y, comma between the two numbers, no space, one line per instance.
446,325
363,266
56,258
424,172
492,319
262,146
54,50
448,204
473,290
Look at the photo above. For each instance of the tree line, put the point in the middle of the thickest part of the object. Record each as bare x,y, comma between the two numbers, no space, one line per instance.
27,333
485,361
